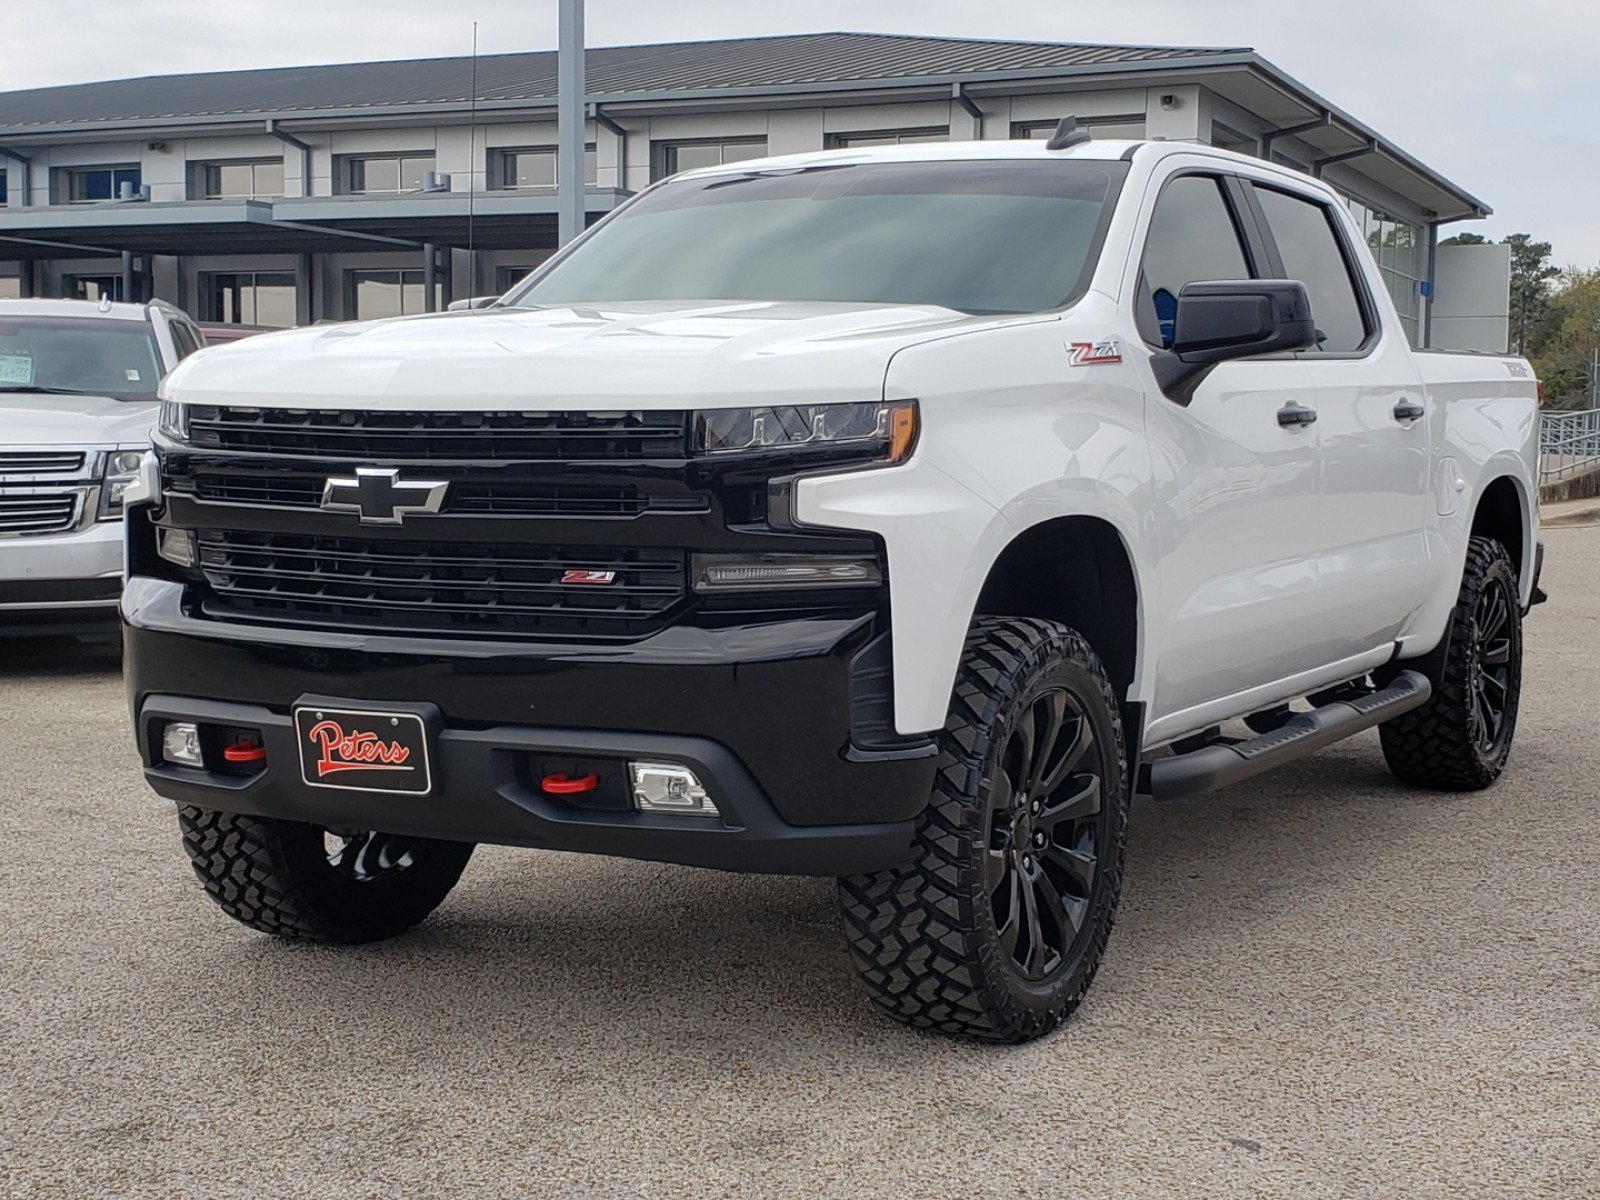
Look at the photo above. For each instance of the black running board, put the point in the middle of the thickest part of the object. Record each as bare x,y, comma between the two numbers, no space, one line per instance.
1183,775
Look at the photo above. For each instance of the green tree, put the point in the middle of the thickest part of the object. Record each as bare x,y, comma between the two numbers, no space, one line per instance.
1531,275
1563,342
1466,239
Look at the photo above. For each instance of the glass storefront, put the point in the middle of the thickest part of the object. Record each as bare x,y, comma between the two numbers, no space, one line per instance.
1402,254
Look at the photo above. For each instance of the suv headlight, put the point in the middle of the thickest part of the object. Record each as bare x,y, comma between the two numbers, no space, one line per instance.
886,432
174,420
119,472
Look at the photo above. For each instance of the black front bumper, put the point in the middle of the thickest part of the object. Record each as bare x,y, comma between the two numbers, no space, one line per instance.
783,721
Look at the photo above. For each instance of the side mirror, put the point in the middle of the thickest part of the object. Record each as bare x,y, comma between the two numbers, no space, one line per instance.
475,302
1229,319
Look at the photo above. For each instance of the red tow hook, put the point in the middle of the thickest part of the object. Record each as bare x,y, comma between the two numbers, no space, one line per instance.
565,785
245,752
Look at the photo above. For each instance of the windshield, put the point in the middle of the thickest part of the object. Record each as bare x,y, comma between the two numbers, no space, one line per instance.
977,236
79,355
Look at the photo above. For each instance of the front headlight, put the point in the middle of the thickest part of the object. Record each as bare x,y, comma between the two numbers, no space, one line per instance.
174,420
119,472
886,431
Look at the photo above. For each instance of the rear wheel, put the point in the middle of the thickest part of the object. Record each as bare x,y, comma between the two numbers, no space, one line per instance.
305,882
995,926
1460,739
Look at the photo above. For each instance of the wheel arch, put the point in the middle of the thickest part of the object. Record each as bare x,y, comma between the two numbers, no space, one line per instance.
1079,571
1502,512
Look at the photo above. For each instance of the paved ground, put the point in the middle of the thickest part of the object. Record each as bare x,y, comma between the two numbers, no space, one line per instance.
1321,986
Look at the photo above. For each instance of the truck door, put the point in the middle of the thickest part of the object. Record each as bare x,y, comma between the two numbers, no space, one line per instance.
1236,469
1372,561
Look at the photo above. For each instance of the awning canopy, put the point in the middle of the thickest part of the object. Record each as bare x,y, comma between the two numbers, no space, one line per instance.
499,220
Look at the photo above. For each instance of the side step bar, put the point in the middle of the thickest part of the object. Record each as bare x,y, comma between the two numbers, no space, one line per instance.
1224,764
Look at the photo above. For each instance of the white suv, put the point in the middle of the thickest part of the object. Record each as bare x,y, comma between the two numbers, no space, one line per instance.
77,401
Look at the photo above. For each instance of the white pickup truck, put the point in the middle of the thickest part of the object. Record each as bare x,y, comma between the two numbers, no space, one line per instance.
77,401
888,514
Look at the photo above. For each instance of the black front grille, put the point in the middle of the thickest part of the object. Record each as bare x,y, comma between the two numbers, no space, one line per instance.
484,496
424,436
404,586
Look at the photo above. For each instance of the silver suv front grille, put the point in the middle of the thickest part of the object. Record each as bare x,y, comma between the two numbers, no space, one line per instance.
47,491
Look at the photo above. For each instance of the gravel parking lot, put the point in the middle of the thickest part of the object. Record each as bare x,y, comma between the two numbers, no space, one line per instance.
1321,985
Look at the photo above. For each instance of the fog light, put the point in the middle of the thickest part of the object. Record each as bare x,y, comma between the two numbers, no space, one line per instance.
180,744
669,788
177,546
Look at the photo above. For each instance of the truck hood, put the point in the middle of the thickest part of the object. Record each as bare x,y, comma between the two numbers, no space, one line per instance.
31,420
604,356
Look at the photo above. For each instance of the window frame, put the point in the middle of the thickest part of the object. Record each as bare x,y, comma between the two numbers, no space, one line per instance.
352,291
207,166
349,163
1258,257
68,174
499,175
921,133
663,150
1023,131
1354,269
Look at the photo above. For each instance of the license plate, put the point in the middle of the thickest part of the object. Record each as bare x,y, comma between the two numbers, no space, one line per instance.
363,751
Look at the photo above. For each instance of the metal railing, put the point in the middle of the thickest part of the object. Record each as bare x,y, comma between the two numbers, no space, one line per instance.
1569,444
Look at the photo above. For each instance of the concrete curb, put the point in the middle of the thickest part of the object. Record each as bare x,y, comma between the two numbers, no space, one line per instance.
1570,515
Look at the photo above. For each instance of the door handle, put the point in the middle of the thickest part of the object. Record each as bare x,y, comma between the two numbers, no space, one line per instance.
1409,410
1293,414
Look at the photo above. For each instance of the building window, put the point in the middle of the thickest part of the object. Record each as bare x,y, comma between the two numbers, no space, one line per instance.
887,137
242,180
5,196
1122,125
375,294
249,298
1401,251
506,278
86,185
93,287
10,287
672,157
389,174
534,167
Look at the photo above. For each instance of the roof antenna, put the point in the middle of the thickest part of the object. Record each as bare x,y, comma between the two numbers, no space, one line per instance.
105,301
1068,135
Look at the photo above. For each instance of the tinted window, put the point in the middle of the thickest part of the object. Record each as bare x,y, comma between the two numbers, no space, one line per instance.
973,236
95,356
185,339
1192,239
1311,253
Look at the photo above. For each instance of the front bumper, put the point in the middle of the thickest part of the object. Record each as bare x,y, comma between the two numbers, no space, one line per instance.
61,583
783,721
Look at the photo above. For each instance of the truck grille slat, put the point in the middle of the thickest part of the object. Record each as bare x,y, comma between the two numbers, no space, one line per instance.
432,436
419,586
52,512
41,462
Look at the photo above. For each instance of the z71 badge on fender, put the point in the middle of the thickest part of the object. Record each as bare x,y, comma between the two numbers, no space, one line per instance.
1094,354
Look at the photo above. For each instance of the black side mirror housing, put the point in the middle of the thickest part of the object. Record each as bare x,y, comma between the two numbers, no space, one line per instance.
1229,319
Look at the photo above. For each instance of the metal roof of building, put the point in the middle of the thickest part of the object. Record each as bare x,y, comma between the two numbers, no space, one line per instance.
706,66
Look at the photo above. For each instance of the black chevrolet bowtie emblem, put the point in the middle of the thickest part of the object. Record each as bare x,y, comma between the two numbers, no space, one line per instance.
381,496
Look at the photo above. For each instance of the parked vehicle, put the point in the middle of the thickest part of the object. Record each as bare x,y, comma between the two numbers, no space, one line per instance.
218,332
77,401
887,514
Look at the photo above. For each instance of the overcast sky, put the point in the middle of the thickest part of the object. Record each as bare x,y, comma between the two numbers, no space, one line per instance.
1503,99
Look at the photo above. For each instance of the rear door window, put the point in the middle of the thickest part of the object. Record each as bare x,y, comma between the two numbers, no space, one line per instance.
1192,239
1312,253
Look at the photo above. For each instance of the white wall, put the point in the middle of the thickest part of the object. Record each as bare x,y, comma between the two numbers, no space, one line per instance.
1472,298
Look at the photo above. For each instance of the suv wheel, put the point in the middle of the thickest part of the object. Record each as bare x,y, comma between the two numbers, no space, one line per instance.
1460,739
995,926
304,882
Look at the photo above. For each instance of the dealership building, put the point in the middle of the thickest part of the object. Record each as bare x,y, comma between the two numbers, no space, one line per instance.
289,196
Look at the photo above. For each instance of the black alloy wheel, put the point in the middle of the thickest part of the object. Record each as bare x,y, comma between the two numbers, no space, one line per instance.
1491,666
1045,836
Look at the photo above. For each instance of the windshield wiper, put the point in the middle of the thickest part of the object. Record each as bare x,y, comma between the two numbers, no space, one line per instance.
34,389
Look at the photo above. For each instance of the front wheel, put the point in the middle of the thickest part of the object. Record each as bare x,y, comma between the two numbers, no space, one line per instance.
995,926
308,883
1460,739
